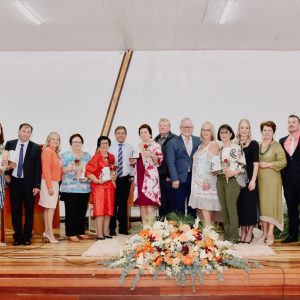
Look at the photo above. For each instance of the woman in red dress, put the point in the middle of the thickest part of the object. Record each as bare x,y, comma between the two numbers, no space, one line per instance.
103,188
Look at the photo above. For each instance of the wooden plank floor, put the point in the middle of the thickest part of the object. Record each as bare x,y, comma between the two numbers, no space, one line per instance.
59,269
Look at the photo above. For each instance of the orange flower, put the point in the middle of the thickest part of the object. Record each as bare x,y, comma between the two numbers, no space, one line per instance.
158,261
209,242
144,233
187,260
148,248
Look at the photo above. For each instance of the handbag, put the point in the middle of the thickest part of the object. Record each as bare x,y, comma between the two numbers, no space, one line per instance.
242,179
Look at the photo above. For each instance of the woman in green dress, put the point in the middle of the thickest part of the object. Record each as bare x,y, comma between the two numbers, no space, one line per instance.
271,161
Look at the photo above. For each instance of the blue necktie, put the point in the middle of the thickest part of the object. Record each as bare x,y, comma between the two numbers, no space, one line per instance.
20,163
120,161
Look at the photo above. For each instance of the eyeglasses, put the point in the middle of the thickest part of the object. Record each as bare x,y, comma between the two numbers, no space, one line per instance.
104,143
187,127
224,132
206,130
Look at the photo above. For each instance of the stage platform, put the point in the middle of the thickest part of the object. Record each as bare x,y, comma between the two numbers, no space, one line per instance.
58,271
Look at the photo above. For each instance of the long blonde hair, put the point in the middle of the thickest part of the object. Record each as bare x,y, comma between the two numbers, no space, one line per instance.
238,134
47,143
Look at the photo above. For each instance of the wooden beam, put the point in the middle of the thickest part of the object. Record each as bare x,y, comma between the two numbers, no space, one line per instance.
114,101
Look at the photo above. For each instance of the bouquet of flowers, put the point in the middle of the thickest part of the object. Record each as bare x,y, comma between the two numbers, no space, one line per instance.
113,171
226,165
79,169
177,250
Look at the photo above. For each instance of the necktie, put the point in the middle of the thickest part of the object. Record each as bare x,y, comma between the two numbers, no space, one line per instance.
120,161
292,146
20,163
188,146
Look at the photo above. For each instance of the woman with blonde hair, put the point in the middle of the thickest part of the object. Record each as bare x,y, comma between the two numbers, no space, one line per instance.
248,198
51,175
204,196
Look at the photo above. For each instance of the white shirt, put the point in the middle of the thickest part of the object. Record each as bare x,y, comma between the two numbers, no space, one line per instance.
17,150
127,154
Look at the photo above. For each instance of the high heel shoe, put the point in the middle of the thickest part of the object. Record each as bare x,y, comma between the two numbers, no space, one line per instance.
45,237
108,236
263,238
48,239
250,240
270,241
100,238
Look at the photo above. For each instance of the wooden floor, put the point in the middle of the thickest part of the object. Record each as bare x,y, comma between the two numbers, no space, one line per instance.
58,271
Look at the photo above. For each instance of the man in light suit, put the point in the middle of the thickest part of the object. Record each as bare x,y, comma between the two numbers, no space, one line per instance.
180,151
24,177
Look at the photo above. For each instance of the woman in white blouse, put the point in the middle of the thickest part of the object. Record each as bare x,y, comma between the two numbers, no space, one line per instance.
233,164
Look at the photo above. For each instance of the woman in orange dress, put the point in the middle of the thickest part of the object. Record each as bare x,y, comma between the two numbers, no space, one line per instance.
51,176
103,188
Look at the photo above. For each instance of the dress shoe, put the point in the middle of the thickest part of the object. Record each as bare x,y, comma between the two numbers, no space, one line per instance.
27,243
82,236
112,233
124,232
73,238
17,243
289,239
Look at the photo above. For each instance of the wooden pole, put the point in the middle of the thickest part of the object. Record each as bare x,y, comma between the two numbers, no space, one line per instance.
112,108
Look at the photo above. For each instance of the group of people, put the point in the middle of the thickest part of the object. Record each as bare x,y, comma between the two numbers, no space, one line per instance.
224,177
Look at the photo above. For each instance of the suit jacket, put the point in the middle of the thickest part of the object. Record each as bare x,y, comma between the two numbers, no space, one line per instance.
32,168
163,168
179,162
291,173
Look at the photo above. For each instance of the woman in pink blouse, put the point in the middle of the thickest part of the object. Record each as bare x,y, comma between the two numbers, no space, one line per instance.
147,189
51,175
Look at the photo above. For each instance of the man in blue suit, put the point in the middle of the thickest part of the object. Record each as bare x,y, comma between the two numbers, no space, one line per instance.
180,151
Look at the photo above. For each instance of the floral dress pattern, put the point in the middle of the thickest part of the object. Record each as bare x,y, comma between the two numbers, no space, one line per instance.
150,184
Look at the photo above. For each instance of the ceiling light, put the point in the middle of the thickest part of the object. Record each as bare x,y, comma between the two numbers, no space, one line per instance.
28,12
226,11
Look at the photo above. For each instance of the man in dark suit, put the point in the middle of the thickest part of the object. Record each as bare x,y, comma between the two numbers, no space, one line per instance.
166,191
24,177
291,176
180,151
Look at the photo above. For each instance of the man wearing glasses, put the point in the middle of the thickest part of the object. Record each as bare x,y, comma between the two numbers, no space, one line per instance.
180,152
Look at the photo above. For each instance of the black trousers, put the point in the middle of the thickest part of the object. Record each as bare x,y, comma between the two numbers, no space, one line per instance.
182,197
20,196
167,197
292,197
121,206
75,209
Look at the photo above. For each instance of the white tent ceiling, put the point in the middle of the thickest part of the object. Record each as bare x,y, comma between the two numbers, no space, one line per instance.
97,25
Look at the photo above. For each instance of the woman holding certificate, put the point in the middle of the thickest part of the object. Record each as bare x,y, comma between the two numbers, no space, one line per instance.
101,170
146,179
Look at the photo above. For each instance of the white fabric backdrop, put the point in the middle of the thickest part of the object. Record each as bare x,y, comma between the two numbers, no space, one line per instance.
221,86
67,92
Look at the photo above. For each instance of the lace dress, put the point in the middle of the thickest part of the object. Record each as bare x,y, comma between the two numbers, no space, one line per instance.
199,198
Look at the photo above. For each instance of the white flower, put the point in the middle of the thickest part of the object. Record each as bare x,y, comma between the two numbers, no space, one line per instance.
203,254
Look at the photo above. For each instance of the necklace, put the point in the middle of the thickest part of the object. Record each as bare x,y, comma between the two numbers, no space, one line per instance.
243,144
264,152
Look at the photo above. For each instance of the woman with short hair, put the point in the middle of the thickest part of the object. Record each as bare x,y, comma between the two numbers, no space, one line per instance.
272,160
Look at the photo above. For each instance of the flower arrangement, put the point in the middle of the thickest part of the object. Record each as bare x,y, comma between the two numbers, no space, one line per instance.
178,250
